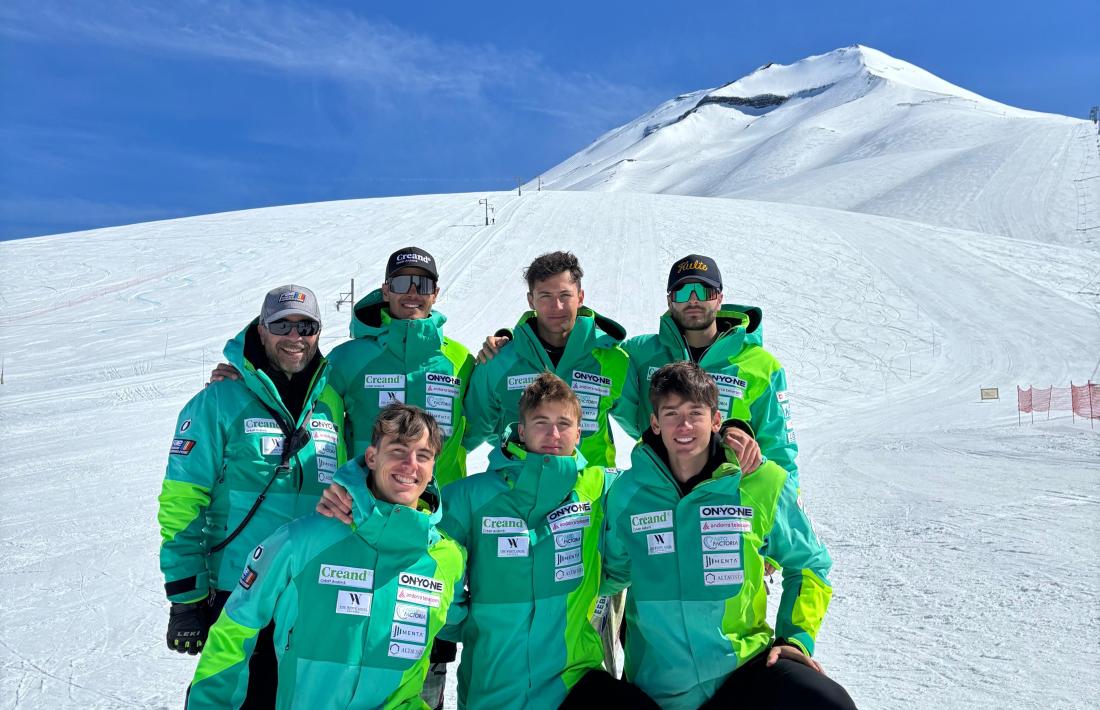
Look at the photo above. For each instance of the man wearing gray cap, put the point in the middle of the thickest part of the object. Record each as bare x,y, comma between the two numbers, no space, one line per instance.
249,455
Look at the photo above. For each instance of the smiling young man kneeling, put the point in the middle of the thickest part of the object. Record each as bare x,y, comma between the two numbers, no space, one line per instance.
356,607
689,535
532,525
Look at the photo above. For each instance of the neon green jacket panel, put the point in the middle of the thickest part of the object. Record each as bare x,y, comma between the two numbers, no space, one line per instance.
752,384
226,448
356,608
408,361
697,606
594,364
532,527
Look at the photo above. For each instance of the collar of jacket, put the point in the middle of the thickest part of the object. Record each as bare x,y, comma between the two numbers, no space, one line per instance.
591,331
390,527
538,482
738,326
649,462
260,384
371,319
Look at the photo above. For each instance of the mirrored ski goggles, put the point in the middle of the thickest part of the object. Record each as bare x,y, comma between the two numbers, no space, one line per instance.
425,285
283,326
702,293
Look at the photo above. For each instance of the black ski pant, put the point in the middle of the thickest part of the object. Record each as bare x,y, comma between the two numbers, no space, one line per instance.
263,667
599,689
788,685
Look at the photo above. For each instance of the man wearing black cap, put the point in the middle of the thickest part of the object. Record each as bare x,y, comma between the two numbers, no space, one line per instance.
399,354
249,455
726,340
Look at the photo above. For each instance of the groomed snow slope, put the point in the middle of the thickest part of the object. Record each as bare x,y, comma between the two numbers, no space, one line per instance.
964,546
859,130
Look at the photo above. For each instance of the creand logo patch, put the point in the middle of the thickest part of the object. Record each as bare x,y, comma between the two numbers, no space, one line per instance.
382,382
725,511
657,520
501,526
340,576
255,425
520,382
578,508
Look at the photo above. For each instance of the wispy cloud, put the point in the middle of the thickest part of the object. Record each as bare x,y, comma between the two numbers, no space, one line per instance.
388,60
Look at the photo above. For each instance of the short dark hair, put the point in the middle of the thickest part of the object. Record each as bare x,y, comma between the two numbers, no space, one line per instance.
552,264
406,423
547,387
685,379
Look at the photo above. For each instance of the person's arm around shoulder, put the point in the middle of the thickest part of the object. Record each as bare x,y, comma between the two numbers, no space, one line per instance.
481,407
221,679
793,543
616,559
772,424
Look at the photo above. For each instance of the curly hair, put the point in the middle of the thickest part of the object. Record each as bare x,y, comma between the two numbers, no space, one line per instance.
552,264
406,423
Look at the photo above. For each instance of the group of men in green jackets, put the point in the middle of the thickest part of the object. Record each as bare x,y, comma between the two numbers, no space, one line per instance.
522,564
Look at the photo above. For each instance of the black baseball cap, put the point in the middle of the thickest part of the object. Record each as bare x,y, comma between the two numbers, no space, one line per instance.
694,267
411,256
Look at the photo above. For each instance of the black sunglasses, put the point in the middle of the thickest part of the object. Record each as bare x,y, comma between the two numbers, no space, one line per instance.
425,285
283,326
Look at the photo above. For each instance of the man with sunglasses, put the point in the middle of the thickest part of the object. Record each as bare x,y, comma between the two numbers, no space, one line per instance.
249,455
399,354
726,341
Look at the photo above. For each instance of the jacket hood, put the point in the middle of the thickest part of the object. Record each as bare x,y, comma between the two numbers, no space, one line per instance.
738,326
591,331
371,317
256,380
540,481
650,458
384,524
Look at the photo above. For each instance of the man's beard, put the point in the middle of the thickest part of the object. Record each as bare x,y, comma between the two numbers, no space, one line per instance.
706,322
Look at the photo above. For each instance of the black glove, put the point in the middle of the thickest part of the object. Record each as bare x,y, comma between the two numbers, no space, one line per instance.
187,627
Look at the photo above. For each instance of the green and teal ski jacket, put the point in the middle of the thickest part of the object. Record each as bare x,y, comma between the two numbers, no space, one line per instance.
410,361
531,525
694,563
752,385
356,608
594,364
226,448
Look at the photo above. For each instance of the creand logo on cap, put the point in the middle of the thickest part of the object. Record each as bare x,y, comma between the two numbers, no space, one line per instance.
408,256
295,296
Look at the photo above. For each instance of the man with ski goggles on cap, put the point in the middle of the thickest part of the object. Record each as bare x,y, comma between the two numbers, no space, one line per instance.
726,341
249,455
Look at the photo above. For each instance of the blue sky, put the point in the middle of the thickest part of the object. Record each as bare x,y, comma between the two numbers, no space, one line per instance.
120,112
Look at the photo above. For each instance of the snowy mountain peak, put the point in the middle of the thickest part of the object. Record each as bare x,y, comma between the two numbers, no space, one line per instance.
856,129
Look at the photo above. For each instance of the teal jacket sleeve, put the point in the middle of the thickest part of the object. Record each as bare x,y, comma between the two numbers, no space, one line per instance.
770,419
616,561
221,679
195,460
628,409
482,408
793,544
455,522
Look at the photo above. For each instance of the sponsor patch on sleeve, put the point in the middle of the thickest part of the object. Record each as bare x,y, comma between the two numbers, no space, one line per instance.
181,447
248,576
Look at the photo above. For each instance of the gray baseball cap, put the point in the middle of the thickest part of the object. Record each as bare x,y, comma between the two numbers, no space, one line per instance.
289,300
